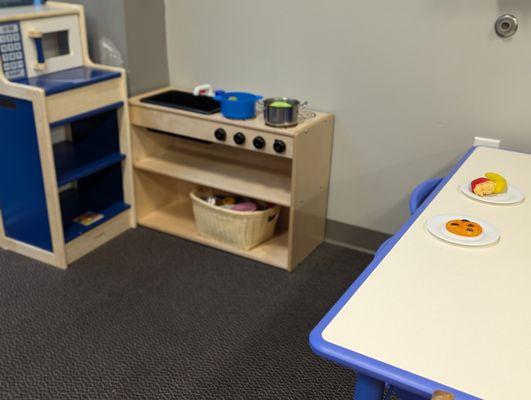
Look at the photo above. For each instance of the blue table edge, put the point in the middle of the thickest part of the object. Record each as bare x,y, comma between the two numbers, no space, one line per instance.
369,366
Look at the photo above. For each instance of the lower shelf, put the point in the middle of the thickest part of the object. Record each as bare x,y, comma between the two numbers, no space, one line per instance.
73,205
177,219
98,236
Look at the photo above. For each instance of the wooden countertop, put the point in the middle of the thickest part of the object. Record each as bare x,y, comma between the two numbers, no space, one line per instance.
254,124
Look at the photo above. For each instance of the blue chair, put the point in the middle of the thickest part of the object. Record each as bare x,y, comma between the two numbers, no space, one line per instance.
383,247
421,193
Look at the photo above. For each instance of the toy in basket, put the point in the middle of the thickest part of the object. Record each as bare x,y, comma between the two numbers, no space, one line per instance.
243,224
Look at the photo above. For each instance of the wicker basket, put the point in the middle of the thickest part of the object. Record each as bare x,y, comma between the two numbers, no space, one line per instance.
244,230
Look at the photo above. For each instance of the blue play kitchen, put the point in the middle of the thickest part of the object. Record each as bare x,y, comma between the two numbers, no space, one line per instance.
65,166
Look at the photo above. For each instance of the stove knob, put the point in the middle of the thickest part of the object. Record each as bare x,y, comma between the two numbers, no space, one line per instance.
279,146
239,138
259,142
220,134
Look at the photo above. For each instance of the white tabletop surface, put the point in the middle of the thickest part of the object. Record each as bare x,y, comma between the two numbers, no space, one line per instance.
458,316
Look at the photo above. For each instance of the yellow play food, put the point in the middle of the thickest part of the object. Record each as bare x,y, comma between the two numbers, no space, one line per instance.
500,181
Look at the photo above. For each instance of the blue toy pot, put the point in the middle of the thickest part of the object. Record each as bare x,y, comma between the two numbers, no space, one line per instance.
237,105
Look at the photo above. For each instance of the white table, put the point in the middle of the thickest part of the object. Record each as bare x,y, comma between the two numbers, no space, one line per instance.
431,314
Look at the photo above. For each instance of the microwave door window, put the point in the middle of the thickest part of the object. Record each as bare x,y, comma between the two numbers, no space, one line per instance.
55,44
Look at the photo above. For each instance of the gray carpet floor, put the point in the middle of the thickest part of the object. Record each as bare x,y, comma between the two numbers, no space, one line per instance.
150,316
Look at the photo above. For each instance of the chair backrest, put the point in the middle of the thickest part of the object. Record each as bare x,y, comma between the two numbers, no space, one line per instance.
421,192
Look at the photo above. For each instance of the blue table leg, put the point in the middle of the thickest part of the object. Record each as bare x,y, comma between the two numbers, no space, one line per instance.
368,388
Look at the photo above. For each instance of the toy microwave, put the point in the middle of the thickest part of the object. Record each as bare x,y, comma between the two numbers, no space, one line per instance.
38,44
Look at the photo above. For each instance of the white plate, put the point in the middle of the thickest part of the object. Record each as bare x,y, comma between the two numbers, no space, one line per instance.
511,196
437,227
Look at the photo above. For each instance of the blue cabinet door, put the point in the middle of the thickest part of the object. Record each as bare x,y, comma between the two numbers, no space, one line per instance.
22,196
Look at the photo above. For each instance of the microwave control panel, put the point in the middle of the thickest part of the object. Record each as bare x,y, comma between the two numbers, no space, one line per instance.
11,51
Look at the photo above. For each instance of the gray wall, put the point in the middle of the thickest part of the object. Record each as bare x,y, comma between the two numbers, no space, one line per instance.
146,41
105,18
411,82
137,28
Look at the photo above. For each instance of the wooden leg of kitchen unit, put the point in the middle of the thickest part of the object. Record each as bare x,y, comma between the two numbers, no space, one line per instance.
310,182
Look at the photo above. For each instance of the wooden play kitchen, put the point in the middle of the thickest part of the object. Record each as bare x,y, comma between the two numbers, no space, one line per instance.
66,165
65,170
176,151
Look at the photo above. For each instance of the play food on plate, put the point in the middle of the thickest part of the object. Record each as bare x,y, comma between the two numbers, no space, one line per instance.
464,227
462,230
491,183
483,186
512,196
500,181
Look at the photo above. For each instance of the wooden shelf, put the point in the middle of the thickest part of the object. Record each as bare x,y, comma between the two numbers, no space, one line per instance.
222,174
177,219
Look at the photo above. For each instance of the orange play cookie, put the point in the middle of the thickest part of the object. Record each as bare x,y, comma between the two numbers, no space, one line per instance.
464,227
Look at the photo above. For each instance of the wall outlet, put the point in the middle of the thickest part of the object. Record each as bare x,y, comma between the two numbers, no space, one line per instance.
487,142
